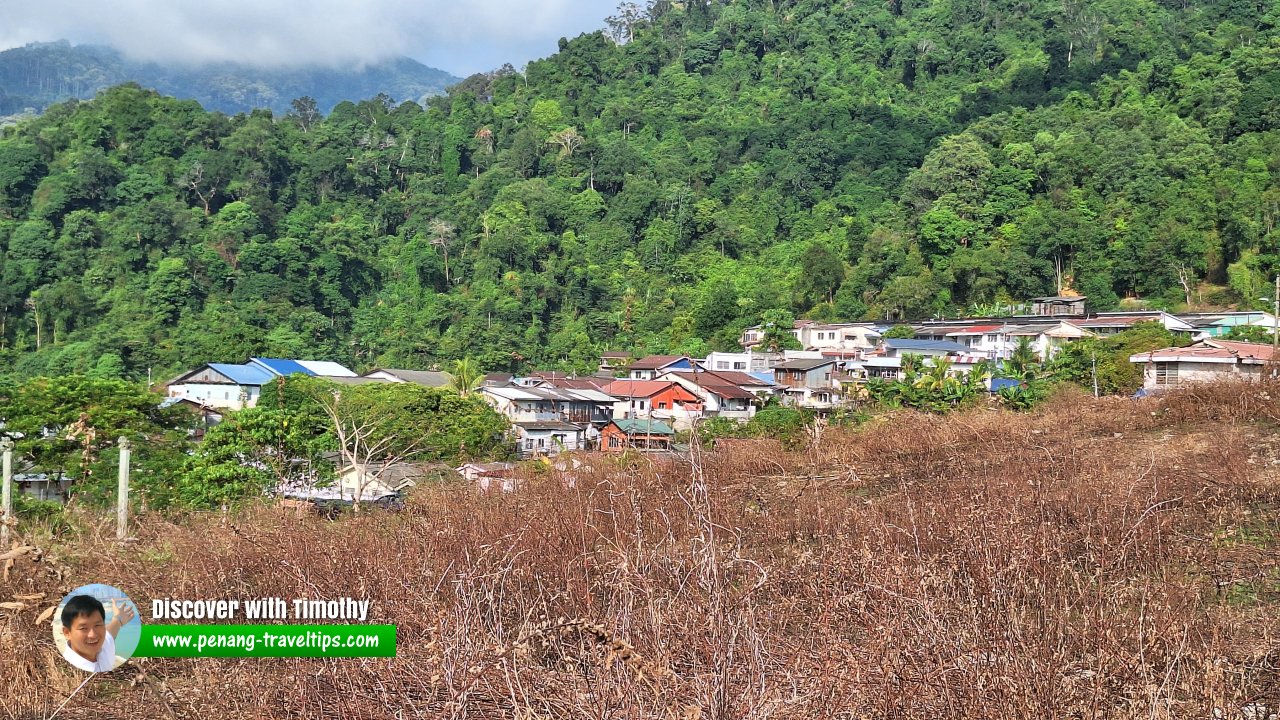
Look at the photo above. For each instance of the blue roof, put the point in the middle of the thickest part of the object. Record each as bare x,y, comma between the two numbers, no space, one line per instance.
281,367
947,345
243,374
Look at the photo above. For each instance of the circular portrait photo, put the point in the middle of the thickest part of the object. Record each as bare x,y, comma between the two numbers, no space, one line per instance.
96,628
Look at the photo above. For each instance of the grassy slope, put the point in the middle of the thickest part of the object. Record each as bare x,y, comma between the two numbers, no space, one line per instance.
1102,559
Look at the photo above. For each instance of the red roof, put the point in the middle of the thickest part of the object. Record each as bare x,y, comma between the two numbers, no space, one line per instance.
1211,350
582,383
735,377
718,385
976,330
1249,350
636,388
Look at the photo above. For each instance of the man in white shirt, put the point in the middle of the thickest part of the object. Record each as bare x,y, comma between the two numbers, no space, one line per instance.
91,641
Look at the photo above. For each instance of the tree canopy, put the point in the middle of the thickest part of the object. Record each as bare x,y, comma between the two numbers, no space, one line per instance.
659,186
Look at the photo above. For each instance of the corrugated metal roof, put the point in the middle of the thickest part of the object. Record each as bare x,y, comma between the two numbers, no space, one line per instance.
636,388
590,395
244,374
653,362
280,366
804,365
510,393
325,368
643,426
901,344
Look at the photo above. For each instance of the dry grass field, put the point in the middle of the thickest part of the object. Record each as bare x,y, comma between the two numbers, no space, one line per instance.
1104,558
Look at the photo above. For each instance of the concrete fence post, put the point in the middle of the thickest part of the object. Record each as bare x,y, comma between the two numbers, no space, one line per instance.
6,490
122,499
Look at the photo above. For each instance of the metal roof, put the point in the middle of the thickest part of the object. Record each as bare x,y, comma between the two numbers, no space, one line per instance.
636,388
280,366
802,364
324,368
643,426
429,378
244,374
548,425
653,362
901,344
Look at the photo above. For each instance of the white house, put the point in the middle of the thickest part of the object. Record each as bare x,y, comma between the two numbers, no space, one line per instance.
230,386
1204,361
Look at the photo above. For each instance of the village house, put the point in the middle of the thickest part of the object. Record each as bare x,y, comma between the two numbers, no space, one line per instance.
651,367
719,392
547,420
659,399
614,362
808,383
232,387
1215,325
206,416
499,476
425,378
1059,305
1118,322
1205,361
636,433
839,337
376,480
1046,340
748,361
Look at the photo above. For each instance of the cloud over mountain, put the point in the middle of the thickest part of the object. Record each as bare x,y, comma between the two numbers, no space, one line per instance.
462,37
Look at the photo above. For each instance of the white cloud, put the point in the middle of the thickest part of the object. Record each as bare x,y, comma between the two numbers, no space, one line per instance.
460,37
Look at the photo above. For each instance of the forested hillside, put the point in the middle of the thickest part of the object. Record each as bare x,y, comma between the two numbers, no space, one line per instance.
660,185
39,74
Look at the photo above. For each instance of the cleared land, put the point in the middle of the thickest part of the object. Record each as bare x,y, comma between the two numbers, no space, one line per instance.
1095,559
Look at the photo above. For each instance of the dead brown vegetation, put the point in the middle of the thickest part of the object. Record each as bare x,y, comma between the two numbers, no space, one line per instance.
1096,559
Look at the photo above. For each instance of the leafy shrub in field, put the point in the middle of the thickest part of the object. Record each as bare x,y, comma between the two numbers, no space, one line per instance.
287,436
1025,395
935,388
1114,373
69,426
785,424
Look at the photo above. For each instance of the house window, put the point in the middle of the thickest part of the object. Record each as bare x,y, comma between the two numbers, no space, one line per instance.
528,444
615,441
642,404
739,366
662,405
991,339
1166,373
542,442
722,364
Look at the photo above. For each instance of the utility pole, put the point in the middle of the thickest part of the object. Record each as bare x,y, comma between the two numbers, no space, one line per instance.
1275,320
122,497
6,492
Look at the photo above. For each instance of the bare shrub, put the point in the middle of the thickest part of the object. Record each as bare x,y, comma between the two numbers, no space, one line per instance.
1095,559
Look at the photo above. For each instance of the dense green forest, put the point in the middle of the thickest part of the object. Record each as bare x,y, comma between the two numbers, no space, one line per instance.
660,185
37,75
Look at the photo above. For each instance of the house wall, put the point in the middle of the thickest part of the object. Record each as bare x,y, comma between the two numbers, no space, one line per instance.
1199,372
219,395
543,442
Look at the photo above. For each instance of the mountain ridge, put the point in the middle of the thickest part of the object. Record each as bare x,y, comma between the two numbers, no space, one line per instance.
38,75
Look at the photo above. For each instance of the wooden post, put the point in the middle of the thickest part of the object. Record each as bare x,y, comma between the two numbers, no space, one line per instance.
122,499
6,490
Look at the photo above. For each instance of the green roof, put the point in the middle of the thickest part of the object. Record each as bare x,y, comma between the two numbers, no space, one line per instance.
632,426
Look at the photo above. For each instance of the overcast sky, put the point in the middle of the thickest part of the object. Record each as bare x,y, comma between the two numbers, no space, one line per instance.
460,37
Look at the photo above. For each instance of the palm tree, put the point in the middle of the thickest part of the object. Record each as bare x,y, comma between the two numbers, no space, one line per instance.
466,376
1022,364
